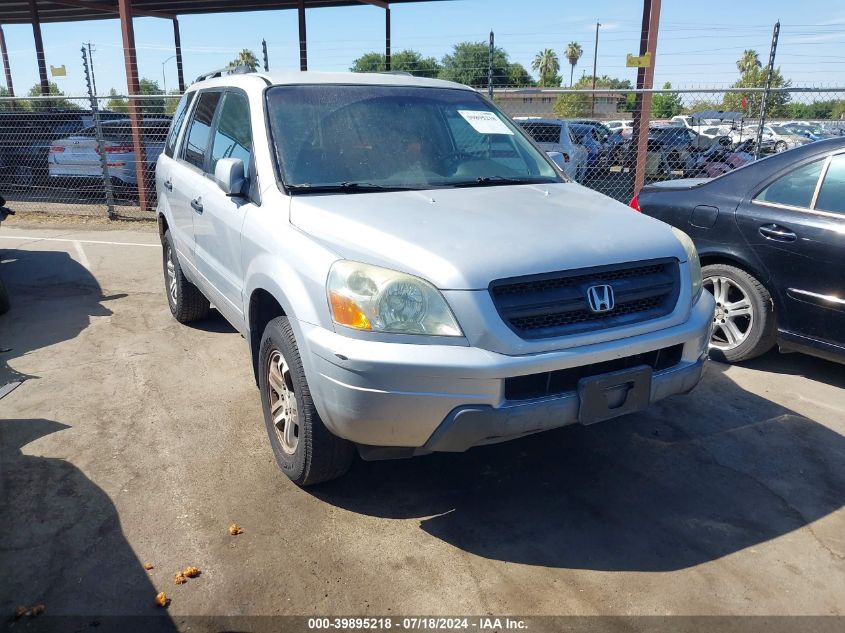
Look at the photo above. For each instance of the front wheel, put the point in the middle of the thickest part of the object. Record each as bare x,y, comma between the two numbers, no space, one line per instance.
780,146
306,451
744,321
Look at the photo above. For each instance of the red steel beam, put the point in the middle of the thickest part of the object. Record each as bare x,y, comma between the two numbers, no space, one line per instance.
134,88
39,47
110,8
6,68
644,113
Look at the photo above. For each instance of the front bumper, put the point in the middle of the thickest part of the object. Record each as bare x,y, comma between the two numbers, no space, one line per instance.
424,398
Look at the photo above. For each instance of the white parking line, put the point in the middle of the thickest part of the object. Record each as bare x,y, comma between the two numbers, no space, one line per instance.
30,238
83,258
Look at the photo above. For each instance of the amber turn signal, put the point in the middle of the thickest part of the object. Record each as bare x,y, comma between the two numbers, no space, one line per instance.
346,312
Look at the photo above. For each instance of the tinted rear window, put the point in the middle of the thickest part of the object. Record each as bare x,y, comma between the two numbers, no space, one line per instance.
542,132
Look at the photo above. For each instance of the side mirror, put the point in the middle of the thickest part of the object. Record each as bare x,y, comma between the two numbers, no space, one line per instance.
229,174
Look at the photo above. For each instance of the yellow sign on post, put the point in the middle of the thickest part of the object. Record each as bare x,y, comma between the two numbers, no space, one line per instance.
643,61
58,71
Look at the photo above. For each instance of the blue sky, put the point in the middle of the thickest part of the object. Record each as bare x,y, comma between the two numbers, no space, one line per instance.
696,48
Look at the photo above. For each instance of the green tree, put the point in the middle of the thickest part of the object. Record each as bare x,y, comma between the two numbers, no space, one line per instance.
665,106
749,61
572,53
754,76
700,105
116,103
519,77
408,61
468,63
573,104
48,104
547,64
152,107
245,58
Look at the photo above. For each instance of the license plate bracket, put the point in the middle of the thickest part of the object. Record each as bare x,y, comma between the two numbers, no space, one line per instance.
613,394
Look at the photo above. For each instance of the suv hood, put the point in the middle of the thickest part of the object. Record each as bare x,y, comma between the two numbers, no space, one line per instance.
463,239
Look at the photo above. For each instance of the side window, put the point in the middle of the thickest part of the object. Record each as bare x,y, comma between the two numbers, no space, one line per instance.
832,194
178,119
795,188
196,140
233,135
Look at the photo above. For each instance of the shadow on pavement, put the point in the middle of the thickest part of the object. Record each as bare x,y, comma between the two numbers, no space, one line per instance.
63,545
48,288
696,478
817,369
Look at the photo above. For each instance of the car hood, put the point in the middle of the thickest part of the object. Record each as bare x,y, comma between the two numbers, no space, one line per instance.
463,239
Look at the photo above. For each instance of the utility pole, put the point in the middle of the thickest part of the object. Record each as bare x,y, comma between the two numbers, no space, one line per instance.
266,59
490,67
91,65
769,72
595,61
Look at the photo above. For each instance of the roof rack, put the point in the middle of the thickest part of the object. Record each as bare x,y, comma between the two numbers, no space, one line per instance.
229,70
404,73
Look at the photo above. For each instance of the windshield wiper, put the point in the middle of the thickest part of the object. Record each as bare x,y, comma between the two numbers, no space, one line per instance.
492,181
346,187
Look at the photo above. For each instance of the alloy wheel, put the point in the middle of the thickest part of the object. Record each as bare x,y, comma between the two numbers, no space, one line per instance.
172,286
734,315
283,407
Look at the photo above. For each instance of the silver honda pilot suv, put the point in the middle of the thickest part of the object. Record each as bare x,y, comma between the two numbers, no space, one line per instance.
411,273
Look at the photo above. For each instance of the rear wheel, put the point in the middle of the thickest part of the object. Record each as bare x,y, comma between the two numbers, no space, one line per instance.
306,451
780,146
186,301
744,321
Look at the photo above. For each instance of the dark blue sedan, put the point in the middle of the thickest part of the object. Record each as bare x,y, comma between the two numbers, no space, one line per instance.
771,236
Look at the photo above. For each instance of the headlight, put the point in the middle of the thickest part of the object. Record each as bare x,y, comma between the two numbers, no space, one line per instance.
693,263
377,299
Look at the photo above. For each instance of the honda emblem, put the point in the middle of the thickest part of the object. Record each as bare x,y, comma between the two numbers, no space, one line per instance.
600,298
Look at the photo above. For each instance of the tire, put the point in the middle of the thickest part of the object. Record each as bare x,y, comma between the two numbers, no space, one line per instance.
306,451
4,298
186,301
780,146
736,290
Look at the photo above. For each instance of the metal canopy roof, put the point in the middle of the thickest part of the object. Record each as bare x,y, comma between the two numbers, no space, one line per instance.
18,11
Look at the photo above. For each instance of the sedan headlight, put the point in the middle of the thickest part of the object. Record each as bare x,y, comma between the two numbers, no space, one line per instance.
693,263
377,299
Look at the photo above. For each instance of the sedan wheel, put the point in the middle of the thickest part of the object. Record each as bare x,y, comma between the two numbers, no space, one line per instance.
744,317
734,317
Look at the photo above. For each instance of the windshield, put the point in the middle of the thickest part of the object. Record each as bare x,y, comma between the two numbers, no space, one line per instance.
364,138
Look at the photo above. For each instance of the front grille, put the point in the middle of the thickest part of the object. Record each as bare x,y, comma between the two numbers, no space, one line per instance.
552,383
555,304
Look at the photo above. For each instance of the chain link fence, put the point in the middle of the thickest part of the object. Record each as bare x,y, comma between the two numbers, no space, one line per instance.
55,158
692,133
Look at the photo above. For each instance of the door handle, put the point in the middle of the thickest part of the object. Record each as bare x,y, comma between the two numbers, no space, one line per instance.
777,233
168,184
196,205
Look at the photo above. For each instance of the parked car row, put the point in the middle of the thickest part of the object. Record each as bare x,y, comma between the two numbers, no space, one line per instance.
58,148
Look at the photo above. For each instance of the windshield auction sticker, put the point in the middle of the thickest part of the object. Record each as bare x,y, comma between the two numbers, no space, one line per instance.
485,122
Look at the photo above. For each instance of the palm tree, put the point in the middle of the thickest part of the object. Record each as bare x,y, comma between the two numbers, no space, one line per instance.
749,61
573,54
547,64
245,58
